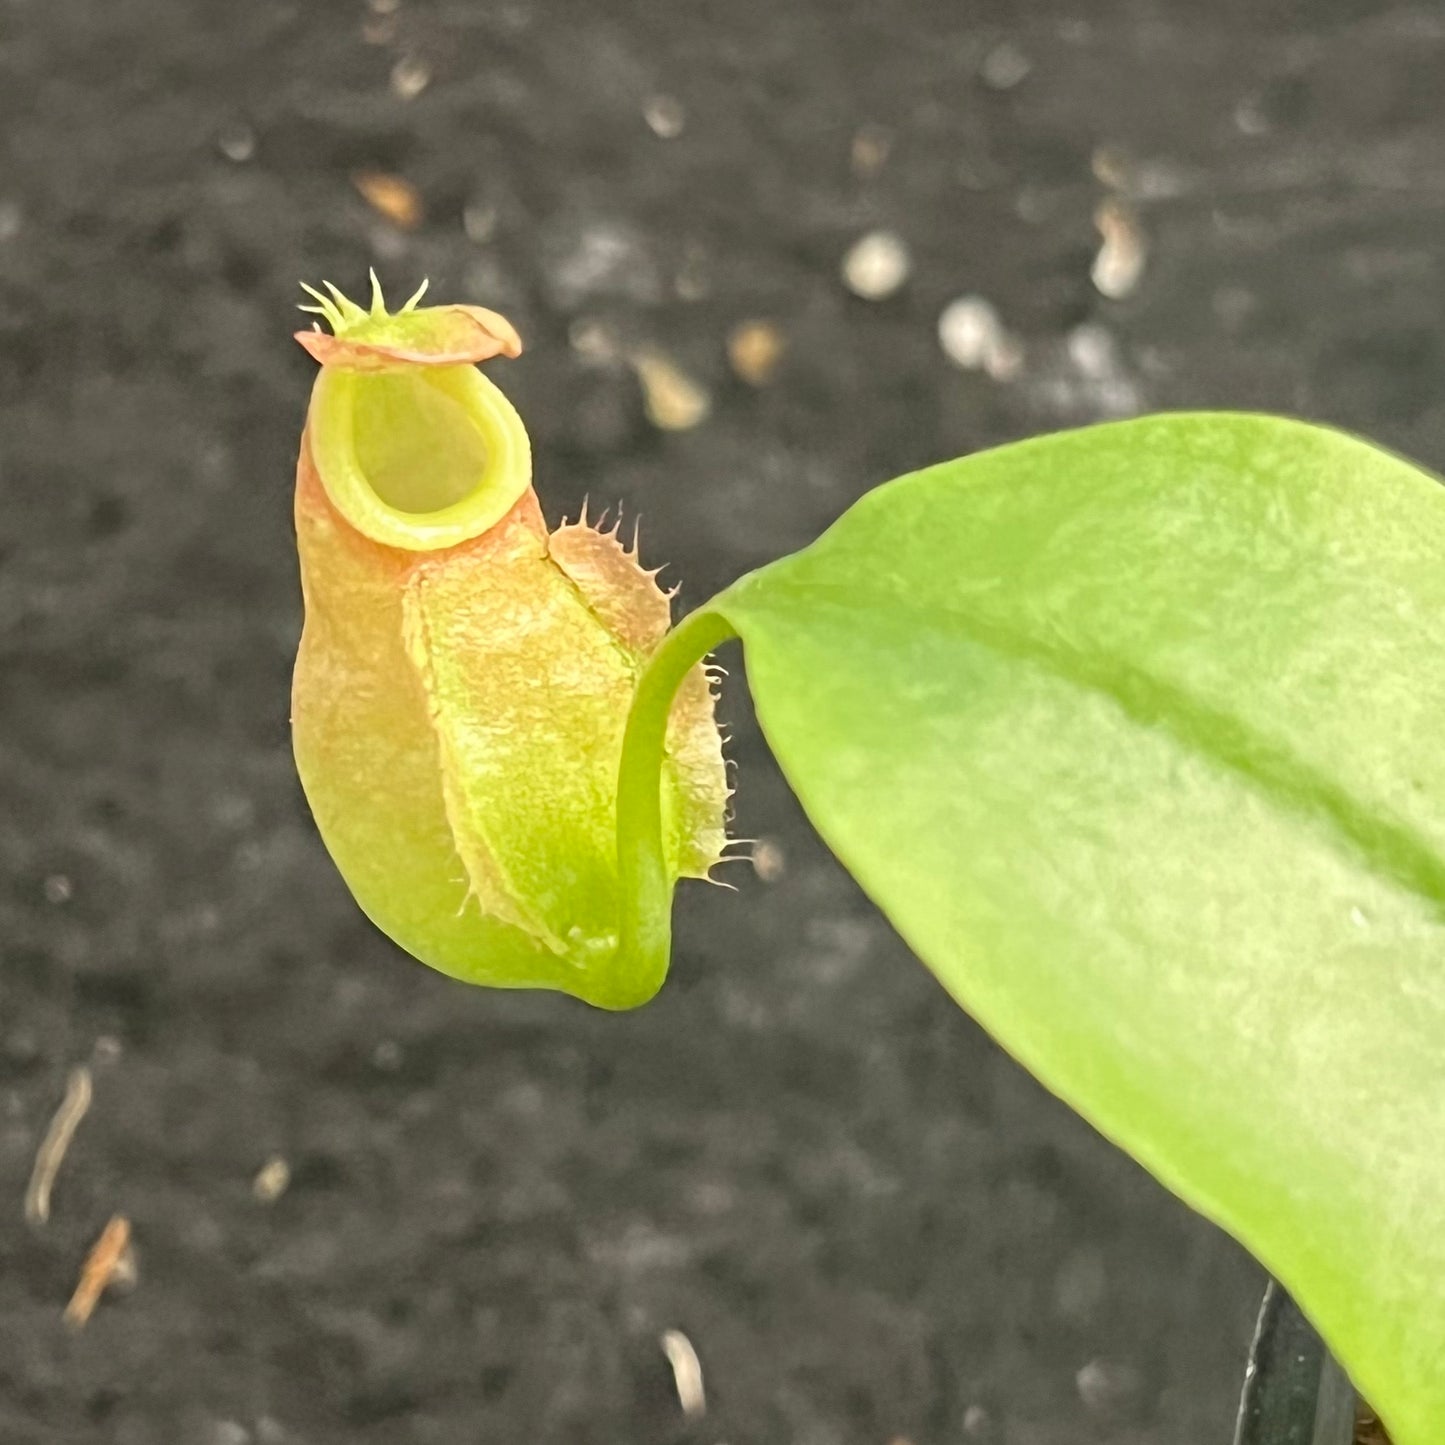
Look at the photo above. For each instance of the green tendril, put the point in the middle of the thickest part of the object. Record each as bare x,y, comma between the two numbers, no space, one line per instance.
645,883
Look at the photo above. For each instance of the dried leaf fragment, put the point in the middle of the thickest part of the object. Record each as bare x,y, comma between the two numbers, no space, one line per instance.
109,1261
674,401
392,197
755,348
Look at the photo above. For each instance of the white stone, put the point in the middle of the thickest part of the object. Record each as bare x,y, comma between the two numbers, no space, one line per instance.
877,265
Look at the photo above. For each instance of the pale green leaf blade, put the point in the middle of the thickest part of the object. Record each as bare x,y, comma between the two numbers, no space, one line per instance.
1134,733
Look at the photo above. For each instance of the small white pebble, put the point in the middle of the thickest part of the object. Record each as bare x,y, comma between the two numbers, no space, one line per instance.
1005,66
968,329
877,265
975,1421
973,337
1091,349
665,116
237,142
272,1180
409,77
58,889
1106,1388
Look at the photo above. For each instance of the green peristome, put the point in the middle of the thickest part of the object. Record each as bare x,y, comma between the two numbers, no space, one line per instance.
1133,733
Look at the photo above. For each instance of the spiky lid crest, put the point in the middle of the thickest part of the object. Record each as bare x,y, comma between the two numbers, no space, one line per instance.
380,340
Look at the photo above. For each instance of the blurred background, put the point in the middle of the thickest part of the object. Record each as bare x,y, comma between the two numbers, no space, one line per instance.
764,255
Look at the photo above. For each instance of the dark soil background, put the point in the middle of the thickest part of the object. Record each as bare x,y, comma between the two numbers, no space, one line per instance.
872,1226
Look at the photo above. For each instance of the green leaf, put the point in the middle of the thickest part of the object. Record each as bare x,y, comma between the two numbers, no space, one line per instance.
1134,734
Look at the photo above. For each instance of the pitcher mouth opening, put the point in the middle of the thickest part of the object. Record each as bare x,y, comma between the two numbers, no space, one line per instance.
416,456
413,445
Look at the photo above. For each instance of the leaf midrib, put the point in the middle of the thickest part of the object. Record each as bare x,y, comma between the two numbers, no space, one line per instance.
1388,847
